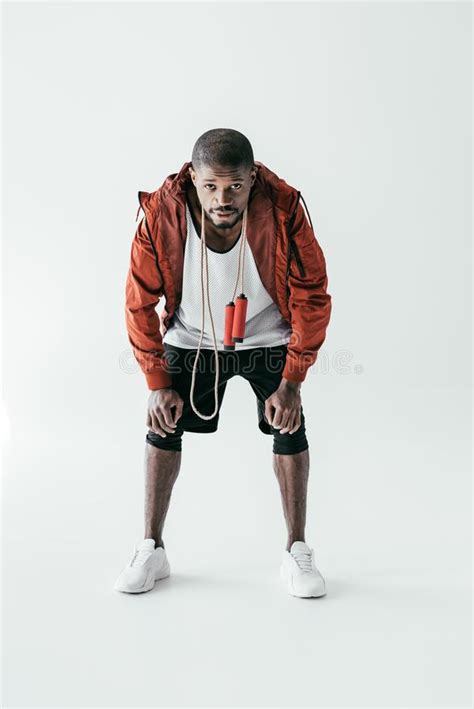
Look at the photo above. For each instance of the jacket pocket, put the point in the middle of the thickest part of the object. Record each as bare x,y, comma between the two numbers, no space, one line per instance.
294,249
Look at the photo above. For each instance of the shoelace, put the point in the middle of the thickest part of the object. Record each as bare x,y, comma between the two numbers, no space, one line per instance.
304,560
140,556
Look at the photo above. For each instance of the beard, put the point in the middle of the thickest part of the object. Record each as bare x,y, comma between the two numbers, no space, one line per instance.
227,223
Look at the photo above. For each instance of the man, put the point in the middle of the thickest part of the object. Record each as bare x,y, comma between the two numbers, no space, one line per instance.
288,310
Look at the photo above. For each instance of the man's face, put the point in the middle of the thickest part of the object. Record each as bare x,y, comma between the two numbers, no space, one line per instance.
225,190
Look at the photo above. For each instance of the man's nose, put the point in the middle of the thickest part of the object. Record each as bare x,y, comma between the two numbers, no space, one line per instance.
222,201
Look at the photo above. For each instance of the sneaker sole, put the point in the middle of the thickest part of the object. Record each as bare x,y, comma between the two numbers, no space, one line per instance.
148,585
291,588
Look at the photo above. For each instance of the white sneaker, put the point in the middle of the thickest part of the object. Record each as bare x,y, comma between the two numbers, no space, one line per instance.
299,572
146,566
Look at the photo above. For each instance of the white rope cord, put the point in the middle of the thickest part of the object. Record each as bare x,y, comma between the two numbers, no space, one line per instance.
240,269
241,256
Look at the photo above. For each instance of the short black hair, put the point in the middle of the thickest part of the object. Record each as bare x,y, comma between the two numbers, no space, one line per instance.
222,147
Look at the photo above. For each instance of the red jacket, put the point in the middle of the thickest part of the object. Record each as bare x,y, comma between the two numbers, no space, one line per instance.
287,254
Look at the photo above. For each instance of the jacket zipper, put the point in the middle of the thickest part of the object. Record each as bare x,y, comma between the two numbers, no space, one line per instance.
298,259
291,244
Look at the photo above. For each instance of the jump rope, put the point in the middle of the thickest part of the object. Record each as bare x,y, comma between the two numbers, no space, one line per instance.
235,312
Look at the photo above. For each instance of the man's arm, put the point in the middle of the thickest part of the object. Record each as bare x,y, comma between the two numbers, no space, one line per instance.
309,302
143,290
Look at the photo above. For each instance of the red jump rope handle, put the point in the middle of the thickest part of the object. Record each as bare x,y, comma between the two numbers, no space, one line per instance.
229,319
238,329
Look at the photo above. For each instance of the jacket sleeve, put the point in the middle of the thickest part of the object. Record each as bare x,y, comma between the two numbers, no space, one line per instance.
309,302
143,290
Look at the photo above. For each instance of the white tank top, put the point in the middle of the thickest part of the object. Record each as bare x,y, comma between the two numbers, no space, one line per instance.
265,326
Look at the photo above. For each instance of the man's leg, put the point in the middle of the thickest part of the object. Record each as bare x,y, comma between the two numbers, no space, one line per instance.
163,454
290,450
292,472
161,470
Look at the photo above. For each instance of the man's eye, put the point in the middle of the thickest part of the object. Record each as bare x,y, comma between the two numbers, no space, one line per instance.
235,185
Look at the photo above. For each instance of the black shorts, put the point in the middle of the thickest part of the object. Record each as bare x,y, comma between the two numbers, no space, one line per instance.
262,367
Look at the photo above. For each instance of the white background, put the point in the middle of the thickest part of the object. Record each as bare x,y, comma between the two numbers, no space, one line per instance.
364,107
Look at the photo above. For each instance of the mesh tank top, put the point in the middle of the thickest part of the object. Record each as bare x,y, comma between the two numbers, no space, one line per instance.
265,326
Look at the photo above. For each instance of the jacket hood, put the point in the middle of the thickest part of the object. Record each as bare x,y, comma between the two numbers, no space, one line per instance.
267,186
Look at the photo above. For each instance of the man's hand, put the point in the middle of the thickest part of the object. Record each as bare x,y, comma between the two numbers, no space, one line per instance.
159,416
282,408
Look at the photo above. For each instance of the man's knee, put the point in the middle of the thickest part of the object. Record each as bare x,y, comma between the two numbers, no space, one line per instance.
170,442
282,447
290,443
